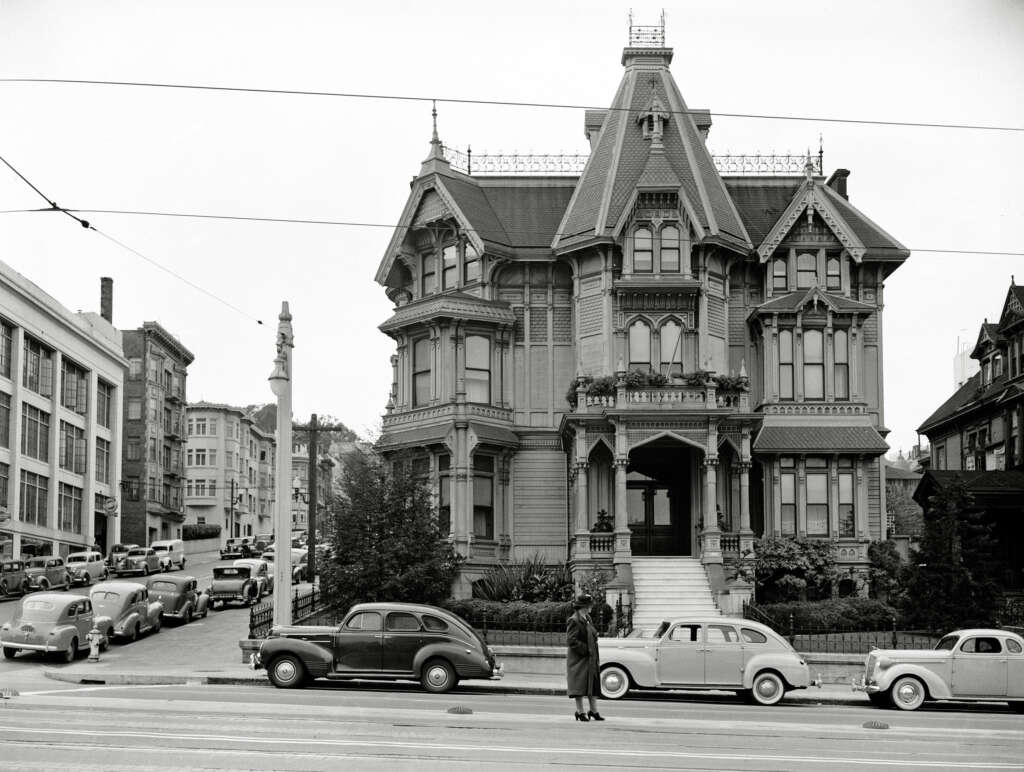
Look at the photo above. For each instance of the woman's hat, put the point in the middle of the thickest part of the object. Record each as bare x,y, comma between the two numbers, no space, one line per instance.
583,601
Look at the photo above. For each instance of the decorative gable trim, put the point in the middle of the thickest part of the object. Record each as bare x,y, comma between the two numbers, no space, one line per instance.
811,198
421,188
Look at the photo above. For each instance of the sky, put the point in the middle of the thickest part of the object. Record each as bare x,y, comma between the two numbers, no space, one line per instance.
330,158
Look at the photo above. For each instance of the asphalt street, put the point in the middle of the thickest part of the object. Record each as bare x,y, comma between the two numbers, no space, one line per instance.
56,726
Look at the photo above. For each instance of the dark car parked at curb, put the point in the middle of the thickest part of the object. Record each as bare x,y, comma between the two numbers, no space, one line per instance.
236,548
47,573
233,584
13,578
180,597
117,552
380,641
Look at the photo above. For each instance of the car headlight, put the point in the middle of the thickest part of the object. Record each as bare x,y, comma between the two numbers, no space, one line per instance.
884,662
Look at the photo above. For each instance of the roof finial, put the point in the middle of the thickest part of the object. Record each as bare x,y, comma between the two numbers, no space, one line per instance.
436,147
433,115
809,166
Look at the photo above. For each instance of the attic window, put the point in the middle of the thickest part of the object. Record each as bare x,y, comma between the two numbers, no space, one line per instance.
833,278
779,278
643,250
806,271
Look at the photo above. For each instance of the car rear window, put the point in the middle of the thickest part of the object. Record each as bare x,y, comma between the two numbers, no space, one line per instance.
753,636
434,624
78,558
38,605
163,585
399,621
230,571
37,563
1012,646
99,596
365,620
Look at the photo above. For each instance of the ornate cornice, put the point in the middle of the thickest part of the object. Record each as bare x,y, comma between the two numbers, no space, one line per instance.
455,305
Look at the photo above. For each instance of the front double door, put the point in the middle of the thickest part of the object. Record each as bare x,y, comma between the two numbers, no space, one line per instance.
658,518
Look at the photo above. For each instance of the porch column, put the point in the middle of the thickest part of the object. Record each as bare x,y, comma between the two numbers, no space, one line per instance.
711,547
621,515
746,535
582,520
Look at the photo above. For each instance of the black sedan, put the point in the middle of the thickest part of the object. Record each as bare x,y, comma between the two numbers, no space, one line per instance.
380,641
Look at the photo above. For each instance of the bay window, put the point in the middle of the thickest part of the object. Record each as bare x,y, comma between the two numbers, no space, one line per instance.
817,496
643,251
786,364
847,525
670,249
814,365
639,346
787,485
471,266
841,366
671,353
429,274
483,497
478,369
444,486
449,266
421,372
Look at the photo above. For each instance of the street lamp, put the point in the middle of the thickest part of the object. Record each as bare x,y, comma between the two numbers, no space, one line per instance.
281,384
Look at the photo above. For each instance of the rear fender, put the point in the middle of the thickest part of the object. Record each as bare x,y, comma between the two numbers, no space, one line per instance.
639,663
453,652
154,611
128,621
937,687
317,660
785,664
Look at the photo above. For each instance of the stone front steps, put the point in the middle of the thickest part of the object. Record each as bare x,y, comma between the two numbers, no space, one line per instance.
666,588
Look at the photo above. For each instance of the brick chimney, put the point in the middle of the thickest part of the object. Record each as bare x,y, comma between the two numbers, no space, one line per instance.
838,182
107,298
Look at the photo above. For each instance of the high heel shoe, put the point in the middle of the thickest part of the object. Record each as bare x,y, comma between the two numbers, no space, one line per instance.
583,717
593,714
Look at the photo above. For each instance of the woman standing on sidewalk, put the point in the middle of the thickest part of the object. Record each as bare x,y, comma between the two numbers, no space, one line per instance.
582,660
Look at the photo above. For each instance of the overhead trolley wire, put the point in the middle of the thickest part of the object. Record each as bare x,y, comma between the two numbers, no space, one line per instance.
393,226
502,103
89,226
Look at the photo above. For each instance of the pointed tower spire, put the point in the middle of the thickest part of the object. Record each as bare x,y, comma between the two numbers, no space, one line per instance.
435,160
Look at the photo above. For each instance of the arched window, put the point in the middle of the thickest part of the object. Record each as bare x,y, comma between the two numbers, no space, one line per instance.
806,270
639,346
671,348
786,364
643,250
670,249
814,365
478,369
841,349
780,281
421,371
833,277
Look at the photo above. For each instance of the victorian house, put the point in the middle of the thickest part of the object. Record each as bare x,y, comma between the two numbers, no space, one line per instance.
641,359
977,435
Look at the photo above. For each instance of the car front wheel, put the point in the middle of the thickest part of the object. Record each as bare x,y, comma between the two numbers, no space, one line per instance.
438,676
69,654
907,693
767,688
614,682
286,672
145,570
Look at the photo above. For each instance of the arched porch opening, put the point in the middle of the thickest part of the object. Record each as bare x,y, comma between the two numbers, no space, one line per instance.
663,497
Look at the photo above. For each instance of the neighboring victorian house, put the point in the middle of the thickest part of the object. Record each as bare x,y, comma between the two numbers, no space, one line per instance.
978,434
717,322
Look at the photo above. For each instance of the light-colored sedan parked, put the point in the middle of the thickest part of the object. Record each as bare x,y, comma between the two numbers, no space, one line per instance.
720,653
53,623
86,567
138,560
128,608
978,665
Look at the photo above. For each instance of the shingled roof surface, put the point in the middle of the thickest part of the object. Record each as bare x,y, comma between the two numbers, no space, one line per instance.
529,215
874,239
995,481
812,439
760,206
793,300
966,395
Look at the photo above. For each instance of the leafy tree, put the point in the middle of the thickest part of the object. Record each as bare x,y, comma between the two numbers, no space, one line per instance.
951,578
885,571
385,544
793,569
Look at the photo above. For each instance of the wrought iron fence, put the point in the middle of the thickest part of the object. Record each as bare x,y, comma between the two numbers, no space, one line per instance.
304,608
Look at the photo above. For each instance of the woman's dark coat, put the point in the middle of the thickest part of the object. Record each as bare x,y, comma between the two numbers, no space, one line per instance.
582,661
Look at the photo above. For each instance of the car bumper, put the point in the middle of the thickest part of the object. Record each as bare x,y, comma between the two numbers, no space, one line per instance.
860,686
498,672
228,597
28,646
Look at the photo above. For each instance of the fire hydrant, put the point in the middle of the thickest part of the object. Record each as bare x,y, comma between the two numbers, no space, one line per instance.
95,639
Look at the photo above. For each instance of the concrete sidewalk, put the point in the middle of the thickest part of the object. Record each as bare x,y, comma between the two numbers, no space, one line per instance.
111,675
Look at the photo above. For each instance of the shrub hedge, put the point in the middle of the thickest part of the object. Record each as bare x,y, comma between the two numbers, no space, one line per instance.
519,615
194,531
841,613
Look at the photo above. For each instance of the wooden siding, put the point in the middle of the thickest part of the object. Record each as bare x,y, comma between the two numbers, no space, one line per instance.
539,492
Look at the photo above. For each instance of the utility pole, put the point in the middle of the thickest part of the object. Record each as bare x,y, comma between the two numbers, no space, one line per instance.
313,428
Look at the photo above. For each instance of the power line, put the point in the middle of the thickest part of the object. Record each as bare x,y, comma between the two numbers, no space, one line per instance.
502,103
89,226
358,224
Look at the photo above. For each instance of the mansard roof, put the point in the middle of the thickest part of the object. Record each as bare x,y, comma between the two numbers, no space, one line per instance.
761,201
820,439
623,159
795,301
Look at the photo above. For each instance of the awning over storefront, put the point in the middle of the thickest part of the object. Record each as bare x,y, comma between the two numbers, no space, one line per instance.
820,439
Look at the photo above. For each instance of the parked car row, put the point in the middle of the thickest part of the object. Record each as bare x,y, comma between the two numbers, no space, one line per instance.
57,623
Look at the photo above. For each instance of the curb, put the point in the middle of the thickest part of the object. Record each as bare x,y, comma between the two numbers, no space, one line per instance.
153,679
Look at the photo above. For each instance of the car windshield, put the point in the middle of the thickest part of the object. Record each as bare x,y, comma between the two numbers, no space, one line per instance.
163,585
160,548
37,611
136,553
37,563
947,643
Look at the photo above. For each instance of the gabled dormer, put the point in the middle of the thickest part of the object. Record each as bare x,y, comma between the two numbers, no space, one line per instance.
1011,331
